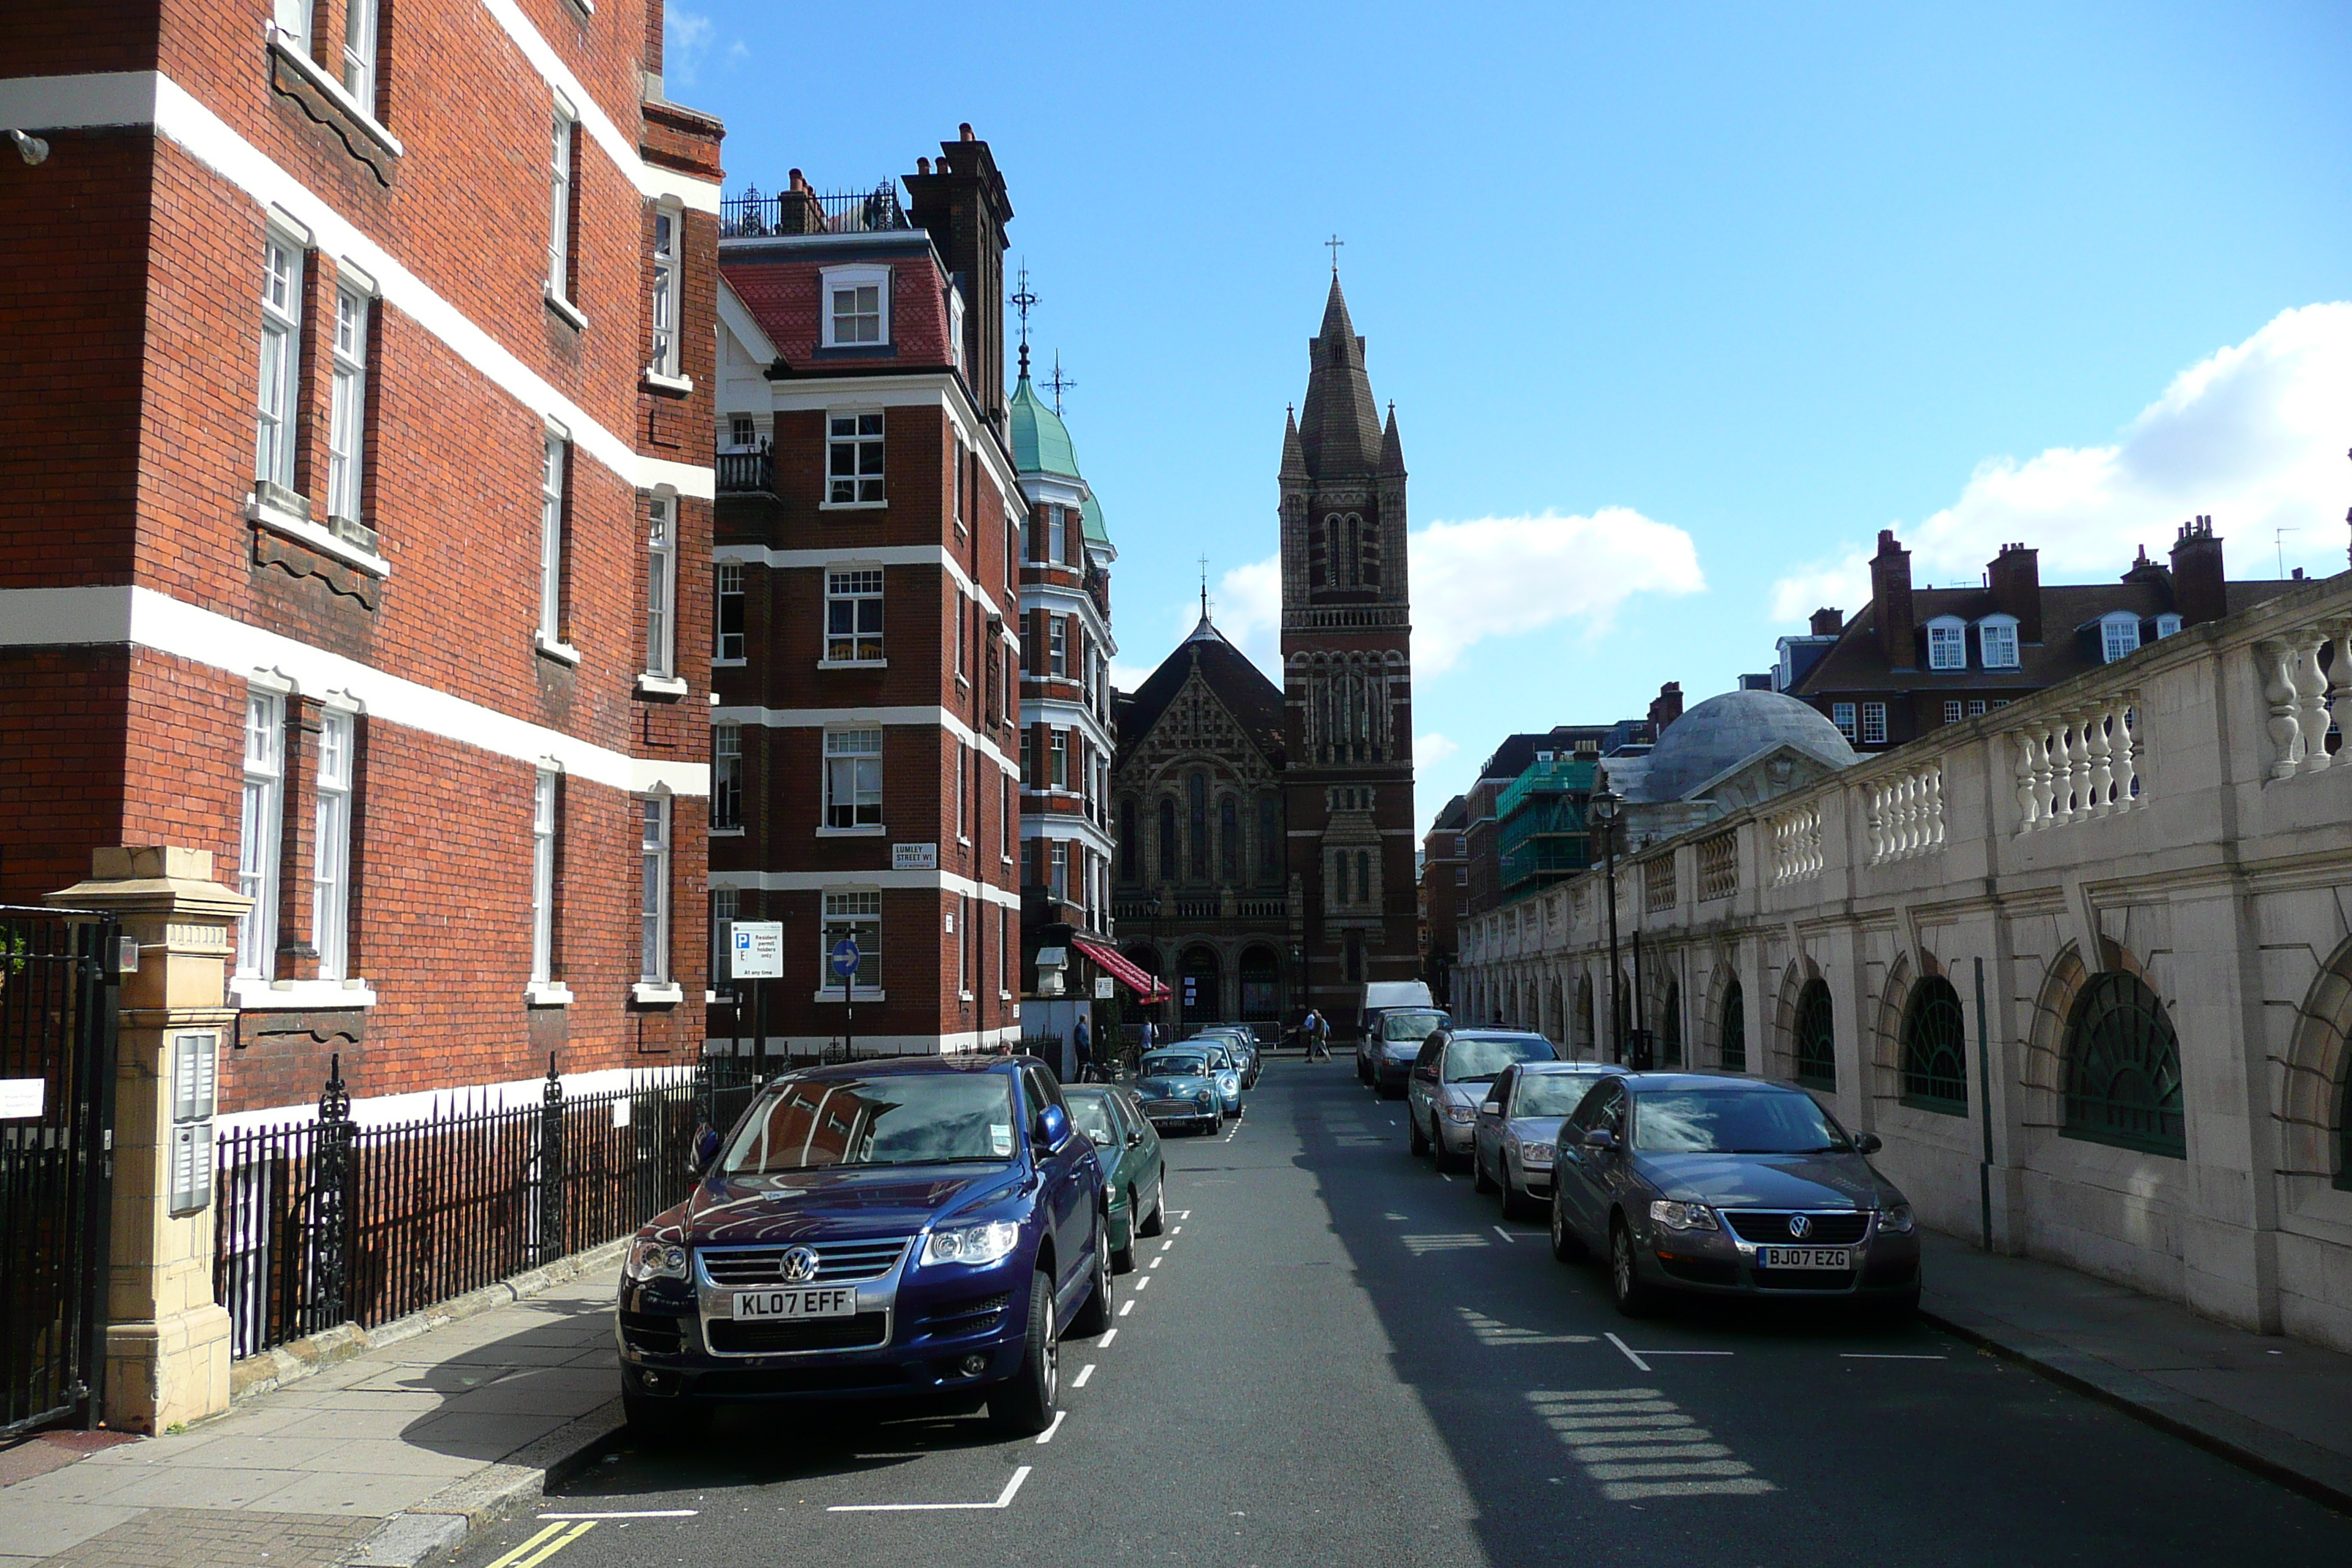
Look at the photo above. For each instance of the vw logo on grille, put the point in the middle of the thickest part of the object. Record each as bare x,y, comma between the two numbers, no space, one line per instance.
800,1266
1800,1226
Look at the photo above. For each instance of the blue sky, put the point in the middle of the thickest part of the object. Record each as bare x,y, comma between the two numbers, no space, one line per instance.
1679,305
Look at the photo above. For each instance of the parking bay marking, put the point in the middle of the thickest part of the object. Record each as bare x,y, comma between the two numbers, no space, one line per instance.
631,1513
545,1545
1085,1373
1506,1236
1453,1241
1638,1443
1108,1335
1495,1332
1003,1500
1635,1356
1047,1435
1875,1355
1127,1308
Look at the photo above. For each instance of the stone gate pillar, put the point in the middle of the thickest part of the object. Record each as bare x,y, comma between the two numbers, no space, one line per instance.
167,1342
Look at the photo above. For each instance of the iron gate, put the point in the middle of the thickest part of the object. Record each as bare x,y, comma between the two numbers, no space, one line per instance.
56,1120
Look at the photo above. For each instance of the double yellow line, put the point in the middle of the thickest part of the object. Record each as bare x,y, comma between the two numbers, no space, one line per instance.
545,1545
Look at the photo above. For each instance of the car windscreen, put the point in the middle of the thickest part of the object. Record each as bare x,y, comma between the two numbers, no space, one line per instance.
1471,1059
1189,1065
900,1119
1733,1122
1217,1057
1092,1116
1552,1093
1410,1025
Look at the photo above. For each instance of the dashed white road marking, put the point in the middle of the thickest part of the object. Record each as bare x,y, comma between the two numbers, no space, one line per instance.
1170,1241
1154,1264
1873,1356
1506,1236
1003,1500
1126,1308
1453,1241
1638,1363
1085,1373
1142,1284
1495,1332
1183,1213
1178,1230
1047,1435
631,1513
1109,1334
1638,1443
1447,1179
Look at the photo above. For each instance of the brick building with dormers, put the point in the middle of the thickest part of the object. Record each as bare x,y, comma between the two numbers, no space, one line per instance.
357,410
867,645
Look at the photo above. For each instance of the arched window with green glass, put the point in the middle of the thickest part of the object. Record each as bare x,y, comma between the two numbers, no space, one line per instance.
1735,1029
1816,1038
2123,1068
1935,1048
1670,1029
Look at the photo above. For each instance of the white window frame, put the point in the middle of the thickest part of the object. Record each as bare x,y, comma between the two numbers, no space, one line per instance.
294,22
955,330
962,636
668,284
1057,868
1975,707
726,908
1005,834
860,433
963,767
2167,624
347,403
742,433
1057,645
847,755
1873,723
1841,714
1057,752
961,928
2114,628
278,398
661,587
331,848
1948,643
1054,535
727,584
653,889
855,588
262,830
726,778
360,34
856,911
564,130
546,824
1953,710
553,460
833,281
1997,642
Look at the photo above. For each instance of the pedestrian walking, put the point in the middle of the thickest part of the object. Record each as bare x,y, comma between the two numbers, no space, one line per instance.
1082,1046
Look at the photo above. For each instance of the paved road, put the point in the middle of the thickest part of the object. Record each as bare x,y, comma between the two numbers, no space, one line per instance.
1340,1356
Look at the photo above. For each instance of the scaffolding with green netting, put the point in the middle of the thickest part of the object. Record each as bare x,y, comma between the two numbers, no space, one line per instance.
1539,823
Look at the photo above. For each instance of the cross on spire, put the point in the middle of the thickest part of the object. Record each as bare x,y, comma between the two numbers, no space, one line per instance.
1205,587
1025,301
1059,383
1333,245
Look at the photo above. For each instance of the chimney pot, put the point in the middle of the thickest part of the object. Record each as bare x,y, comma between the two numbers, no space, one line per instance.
1890,593
2014,578
1828,622
964,132
2199,590
922,165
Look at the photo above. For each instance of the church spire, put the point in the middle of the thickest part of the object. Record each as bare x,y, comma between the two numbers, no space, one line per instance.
1339,426
1293,456
1392,448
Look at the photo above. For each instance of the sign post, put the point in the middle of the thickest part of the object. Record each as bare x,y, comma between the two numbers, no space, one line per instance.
844,963
758,953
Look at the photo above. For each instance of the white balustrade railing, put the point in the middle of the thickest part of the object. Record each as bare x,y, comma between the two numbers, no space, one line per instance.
1906,812
1796,844
2079,762
2303,696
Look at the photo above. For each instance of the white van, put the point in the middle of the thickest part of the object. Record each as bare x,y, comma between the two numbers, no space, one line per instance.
1386,996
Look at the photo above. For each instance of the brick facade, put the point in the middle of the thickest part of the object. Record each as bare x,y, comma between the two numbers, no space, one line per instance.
149,581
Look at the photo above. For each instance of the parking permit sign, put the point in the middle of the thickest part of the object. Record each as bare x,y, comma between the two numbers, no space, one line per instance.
758,950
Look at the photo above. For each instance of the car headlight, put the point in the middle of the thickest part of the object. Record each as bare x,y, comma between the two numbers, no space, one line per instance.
1462,1114
1682,1216
1535,1154
1895,1221
650,1259
972,1244
1202,1098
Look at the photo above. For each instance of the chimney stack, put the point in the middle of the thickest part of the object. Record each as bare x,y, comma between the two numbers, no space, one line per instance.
2198,592
1890,593
1668,706
2015,578
1827,622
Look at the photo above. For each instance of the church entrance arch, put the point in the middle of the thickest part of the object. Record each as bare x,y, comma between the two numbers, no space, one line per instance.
1196,986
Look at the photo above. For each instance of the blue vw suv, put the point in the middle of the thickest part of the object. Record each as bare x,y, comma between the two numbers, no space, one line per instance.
905,1230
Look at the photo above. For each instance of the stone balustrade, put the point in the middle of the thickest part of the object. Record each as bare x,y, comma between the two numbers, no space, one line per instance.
1906,813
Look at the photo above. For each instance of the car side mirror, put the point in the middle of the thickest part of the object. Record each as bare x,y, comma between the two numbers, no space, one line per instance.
1491,1108
1869,1143
1052,1126
1599,1137
1134,1140
706,1149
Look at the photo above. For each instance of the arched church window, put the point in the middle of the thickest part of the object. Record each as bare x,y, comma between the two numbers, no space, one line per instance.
1127,851
1371,557
1229,841
1167,839
1338,879
1196,789
1364,875
1269,839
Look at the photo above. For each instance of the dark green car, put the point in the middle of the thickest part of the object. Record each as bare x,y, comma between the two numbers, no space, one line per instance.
1133,1175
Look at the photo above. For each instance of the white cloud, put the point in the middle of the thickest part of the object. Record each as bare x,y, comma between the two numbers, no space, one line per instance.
1499,576
686,43
1246,605
1432,749
1128,676
2253,437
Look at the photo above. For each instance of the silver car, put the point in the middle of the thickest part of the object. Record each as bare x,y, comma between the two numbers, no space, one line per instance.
1225,1069
1450,1080
1385,1054
1238,1040
1517,1126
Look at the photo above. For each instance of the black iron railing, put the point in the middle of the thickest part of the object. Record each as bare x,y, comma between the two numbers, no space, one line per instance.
803,211
740,471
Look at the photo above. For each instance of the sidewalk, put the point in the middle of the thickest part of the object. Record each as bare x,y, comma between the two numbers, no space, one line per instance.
2278,1406
380,1459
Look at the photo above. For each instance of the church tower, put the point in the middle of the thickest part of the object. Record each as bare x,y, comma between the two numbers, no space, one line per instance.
1347,665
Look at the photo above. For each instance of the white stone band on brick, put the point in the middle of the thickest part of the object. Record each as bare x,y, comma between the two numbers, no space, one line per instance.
114,614
890,881
936,556
150,98
818,718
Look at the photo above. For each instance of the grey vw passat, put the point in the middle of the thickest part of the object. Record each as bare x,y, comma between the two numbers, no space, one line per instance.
1731,1186
1451,1078
1518,1127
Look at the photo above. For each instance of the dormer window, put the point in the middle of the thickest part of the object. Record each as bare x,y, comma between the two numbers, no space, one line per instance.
1997,642
856,307
1948,643
2118,635
2166,624
955,327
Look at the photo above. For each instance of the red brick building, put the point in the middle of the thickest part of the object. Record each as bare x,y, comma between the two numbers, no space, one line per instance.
867,645
1444,892
354,365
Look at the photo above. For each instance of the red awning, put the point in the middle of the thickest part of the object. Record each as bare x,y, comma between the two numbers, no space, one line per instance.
1123,969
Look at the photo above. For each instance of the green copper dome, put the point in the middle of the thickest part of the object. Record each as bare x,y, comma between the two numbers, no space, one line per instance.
1041,443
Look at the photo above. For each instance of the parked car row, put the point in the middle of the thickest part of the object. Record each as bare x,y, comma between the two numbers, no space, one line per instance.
1699,1181
1198,1084
921,1232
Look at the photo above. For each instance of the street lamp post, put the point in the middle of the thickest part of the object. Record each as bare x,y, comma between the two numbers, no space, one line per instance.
1600,810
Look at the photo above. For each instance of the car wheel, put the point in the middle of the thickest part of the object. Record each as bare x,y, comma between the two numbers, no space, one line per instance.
1023,1405
1516,1203
665,1420
1122,1258
1157,1220
1627,1292
1413,1139
1093,1315
1566,1244
1484,1183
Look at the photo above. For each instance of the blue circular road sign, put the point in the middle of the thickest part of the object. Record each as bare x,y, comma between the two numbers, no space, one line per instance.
844,957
